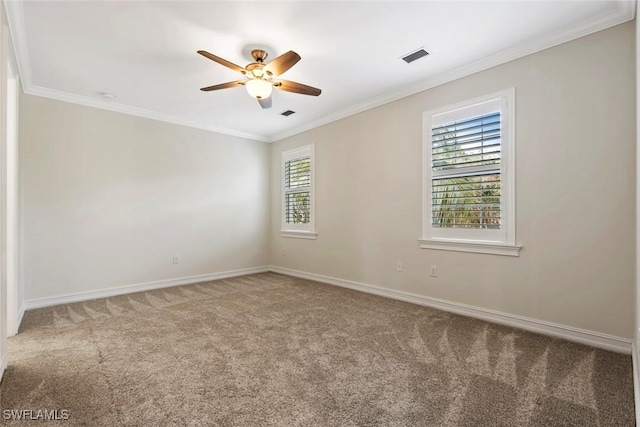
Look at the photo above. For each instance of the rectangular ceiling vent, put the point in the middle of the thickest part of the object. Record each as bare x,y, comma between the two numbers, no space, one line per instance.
287,113
420,53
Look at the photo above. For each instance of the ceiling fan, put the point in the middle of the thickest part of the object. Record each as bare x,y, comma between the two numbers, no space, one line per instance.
260,79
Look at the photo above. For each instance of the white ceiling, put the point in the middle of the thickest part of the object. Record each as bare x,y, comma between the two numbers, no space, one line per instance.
144,53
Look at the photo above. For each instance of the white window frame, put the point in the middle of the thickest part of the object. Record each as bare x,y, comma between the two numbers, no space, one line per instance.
497,242
300,231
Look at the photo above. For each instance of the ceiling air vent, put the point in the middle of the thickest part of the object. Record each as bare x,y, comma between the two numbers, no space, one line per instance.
287,113
420,53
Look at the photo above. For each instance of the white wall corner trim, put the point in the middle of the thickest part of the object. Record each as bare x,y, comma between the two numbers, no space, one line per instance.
582,336
3,366
139,287
21,311
636,381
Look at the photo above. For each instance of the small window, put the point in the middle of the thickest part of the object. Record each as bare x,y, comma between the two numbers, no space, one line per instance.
469,161
297,193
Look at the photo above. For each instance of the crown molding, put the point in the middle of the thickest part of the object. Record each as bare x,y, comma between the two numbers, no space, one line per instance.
624,12
15,19
133,111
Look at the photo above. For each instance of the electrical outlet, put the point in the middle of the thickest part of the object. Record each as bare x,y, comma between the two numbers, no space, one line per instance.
398,265
434,271
176,259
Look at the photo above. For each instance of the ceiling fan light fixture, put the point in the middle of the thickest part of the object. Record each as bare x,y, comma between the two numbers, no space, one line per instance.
258,76
258,88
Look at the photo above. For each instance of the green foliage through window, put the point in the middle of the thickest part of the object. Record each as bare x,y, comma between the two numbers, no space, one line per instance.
466,202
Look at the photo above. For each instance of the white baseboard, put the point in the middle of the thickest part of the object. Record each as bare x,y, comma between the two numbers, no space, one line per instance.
582,336
139,287
592,338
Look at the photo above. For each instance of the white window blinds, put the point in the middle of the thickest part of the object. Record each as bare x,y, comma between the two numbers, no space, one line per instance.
465,164
297,190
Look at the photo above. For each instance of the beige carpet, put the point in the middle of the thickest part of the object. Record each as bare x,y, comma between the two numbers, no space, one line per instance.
268,349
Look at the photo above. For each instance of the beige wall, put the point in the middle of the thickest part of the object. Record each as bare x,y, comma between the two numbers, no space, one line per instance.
108,199
575,192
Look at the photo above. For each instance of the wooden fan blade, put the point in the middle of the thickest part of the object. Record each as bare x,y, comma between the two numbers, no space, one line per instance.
221,61
289,86
265,102
223,85
282,63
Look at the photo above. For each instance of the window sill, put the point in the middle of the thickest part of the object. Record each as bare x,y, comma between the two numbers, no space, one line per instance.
297,234
470,246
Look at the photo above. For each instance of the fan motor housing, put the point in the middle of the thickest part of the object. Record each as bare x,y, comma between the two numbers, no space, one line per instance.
254,66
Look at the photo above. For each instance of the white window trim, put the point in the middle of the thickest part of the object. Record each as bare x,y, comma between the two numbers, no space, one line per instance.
299,234
299,231
462,240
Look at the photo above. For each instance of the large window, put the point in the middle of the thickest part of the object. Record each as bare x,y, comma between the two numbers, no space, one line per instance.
297,193
468,188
